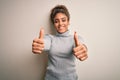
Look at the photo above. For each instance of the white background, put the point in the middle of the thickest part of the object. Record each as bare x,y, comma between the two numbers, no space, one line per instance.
98,21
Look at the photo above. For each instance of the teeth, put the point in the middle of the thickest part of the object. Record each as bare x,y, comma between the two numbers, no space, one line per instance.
60,27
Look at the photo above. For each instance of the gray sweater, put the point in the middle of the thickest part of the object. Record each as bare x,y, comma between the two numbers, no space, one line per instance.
61,61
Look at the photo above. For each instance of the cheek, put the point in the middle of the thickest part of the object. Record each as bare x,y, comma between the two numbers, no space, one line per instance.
67,24
55,25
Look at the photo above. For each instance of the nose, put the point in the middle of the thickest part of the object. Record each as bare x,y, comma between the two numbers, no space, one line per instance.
60,23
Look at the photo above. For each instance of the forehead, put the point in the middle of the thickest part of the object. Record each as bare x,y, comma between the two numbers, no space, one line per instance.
60,15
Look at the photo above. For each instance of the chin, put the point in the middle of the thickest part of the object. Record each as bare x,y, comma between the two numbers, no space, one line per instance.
61,32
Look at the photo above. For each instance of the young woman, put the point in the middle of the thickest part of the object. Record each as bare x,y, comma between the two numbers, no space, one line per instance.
62,48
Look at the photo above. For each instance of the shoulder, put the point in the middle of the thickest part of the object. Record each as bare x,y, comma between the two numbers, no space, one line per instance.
48,36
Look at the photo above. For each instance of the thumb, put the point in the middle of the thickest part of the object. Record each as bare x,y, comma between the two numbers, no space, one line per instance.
77,43
41,34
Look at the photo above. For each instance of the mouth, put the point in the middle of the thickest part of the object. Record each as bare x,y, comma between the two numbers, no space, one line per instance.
60,27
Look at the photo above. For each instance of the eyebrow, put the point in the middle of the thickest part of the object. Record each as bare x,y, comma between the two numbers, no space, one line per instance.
61,18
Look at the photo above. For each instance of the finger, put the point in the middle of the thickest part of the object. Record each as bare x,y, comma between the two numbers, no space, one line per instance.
77,53
78,48
36,51
41,34
84,58
76,39
35,40
82,55
40,41
37,45
38,48
81,52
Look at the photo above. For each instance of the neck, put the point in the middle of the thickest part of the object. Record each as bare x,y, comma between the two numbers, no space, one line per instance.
65,34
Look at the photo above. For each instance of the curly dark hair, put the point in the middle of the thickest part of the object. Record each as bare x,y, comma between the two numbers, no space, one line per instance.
59,9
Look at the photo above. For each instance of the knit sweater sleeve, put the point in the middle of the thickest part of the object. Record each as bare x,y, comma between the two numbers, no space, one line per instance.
47,42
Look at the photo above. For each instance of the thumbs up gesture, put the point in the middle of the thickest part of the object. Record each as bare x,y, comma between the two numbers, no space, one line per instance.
38,43
80,50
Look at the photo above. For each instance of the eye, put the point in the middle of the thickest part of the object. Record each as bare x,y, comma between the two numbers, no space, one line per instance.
64,20
55,21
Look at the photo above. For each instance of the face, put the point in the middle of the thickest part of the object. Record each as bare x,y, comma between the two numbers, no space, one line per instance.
61,22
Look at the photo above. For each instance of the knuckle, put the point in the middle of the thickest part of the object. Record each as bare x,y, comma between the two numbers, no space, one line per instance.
41,45
78,57
35,40
75,54
84,51
40,40
33,51
84,58
74,50
32,44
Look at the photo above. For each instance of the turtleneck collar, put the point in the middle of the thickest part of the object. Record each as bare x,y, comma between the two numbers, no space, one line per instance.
65,34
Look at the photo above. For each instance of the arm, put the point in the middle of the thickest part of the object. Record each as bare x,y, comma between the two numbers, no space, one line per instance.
38,43
80,50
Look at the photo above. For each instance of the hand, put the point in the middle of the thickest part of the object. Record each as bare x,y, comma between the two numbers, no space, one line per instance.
38,43
80,51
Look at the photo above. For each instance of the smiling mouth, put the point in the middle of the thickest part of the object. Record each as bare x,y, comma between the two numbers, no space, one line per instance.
61,27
